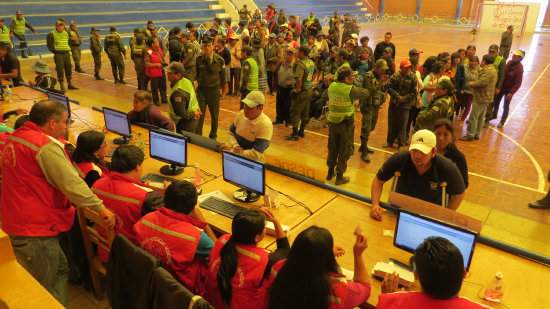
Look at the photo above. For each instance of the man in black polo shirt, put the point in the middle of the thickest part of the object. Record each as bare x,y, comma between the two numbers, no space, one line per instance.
422,172
10,65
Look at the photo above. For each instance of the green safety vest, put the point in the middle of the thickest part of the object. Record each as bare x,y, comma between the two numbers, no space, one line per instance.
19,25
5,35
339,102
310,19
137,52
253,77
345,64
243,14
61,40
310,69
498,59
185,85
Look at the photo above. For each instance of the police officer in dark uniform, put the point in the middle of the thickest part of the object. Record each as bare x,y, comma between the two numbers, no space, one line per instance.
137,32
440,107
188,58
174,44
75,42
58,44
137,51
374,81
183,106
95,48
210,77
506,42
115,50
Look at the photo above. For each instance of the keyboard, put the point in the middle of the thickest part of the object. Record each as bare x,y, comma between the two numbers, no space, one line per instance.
156,178
221,207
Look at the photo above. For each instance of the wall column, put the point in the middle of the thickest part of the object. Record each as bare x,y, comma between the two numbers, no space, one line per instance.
382,2
458,9
418,4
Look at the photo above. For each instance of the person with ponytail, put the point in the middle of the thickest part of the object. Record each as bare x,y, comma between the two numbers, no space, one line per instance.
238,267
88,156
311,277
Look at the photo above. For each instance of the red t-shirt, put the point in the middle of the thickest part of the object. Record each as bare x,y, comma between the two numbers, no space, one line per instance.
421,300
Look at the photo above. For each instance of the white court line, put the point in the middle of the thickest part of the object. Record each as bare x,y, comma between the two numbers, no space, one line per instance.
107,80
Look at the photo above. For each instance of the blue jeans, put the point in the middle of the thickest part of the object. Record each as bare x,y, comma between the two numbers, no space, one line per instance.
477,118
43,258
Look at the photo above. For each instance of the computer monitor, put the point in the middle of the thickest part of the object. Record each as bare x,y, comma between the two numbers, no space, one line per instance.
61,98
170,148
118,122
411,229
1,92
245,173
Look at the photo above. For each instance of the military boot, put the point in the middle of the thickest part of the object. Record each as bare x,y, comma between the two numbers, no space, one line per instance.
341,179
62,86
293,136
23,54
365,156
78,69
70,85
330,173
97,77
302,129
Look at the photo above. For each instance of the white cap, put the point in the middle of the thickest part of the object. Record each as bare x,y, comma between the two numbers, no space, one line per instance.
254,98
423,140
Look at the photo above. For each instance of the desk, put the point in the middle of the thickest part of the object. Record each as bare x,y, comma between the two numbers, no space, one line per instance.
6,82
525,282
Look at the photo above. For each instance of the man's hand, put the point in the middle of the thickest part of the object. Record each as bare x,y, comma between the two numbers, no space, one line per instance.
509,97
238,149
338,251
497,91
390,283
376,212
360,245
108,218
35,33
225,147
198,114
31,82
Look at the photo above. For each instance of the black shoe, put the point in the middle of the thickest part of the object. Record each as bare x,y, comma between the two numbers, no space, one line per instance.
365,156
97,77
466,138
116,81
330,173
341,179
370,150
121,81
362,148
292,137
72,87
540,204
277,122
301,133
387,145
79,70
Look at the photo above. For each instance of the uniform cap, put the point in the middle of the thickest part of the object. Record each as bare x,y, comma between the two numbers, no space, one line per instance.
58,23
320,33
254,98
175,67
149,22
18,12
94,29
405,63
335,49
284,25
382,64
138,29
272,36
344,72
388,49
234,36
354,35
185,35
112,28
520,53
445,84
342,52
207,40
423,140
304,49
493,48
510,27
72,23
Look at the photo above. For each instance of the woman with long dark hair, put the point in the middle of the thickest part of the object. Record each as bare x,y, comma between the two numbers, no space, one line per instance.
238,267
311,277
88,156
445,137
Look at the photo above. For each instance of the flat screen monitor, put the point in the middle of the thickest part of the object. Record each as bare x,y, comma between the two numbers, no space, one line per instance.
411,229
245,173
118,122
1,92
169,148
61,98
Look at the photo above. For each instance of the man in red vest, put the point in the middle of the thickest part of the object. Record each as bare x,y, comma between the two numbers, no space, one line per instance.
124,194
39,181
179,236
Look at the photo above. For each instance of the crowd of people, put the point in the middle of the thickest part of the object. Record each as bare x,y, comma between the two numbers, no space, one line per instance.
312,75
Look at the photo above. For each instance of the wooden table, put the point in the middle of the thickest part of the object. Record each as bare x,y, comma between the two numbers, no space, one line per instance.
525,282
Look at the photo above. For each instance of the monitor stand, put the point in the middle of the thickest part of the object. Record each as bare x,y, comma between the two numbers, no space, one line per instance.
246,196
171,170
121,140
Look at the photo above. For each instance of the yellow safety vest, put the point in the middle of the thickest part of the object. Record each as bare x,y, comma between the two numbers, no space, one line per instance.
19,25
61,40
185,85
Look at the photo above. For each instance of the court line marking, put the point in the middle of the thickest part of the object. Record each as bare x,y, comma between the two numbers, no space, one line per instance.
539,190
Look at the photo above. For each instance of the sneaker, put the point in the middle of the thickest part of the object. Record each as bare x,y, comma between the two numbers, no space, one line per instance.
466,138
500,125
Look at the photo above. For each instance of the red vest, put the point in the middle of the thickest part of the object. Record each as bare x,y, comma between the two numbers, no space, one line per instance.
83,168
30,206
173,238
124,197
154,72
246,290
422,300
337,293
3,140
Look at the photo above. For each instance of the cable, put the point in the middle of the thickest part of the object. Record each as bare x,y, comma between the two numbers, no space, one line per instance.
89,124
296,202
481,289
208,174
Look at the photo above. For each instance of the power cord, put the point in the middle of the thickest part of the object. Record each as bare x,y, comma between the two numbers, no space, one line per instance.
89,124
296,202
481,289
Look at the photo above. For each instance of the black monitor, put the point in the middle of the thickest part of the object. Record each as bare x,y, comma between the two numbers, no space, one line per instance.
1,92
245,173
118,122
61,98
170,148
411,229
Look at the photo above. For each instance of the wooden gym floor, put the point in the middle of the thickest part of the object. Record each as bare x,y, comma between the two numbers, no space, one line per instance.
508,166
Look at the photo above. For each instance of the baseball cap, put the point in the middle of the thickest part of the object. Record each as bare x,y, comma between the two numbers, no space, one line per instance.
18,12
423,140
175,67
388,49
94,29
149,22
414,51
493,48
382,64
254,98
405,63
342,52
445,84
520,53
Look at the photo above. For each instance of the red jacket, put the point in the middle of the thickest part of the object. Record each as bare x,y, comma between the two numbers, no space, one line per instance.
338,292
124,197
173,238
155,58
513,78
83,168
246,290
3,140
30,206
422,300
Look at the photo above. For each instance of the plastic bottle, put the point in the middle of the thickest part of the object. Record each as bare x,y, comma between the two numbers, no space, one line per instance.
7,94
494,291
141,142
197,175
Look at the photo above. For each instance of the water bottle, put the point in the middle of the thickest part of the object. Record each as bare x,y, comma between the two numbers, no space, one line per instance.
7,94
197,175
494,291
141,142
